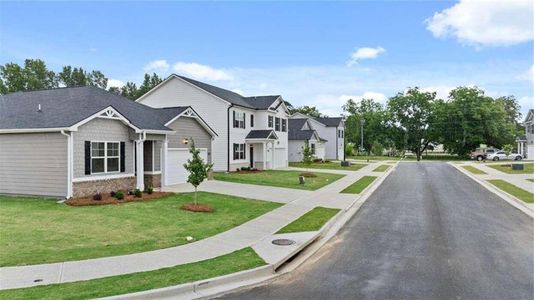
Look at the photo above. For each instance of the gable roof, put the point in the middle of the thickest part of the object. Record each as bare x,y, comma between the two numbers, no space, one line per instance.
330,121
65,107
262,134
296,133
529,115
254,102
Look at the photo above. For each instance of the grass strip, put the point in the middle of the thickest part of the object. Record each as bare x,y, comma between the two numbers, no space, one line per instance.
359,185
328,166
474,170
381,168
511,189
310,221
507,168
240,260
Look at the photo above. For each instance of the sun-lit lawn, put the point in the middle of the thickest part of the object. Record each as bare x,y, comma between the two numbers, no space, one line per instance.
240,260
287,179
310,221
34,231
359,185
513,190
374,157
381,168
507,168
328,165
474,170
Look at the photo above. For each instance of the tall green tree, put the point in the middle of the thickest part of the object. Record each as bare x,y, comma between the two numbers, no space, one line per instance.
374,116
129,90
411,115
198,169
307,155
72,77
149,81
311,111
33,76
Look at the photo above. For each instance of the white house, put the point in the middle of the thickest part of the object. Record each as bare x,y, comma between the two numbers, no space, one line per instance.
525,144
252,131
300,130
331,129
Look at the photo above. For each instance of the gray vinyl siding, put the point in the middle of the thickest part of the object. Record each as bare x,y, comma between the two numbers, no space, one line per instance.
101,130
147,155
33,164
189,128
157,156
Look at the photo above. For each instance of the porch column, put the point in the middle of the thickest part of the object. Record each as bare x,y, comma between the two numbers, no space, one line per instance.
140,179
163,166
263,144
272,156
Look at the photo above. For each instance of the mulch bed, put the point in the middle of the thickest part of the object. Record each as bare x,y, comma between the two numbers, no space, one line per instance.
308,175
248,172
107,199
197,208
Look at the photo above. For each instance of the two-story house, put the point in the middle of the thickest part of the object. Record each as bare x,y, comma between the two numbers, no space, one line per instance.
252,131
300,131
525,144
332,130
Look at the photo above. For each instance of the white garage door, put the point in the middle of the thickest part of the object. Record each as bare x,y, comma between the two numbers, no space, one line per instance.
530,152
176,158
280,158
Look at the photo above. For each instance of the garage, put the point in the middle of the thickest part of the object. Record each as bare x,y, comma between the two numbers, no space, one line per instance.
280,158
176,158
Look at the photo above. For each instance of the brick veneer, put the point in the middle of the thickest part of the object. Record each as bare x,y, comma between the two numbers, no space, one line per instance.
88,188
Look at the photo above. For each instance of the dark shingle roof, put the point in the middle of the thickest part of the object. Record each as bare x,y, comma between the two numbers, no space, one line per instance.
330,122
256,102
260,134
300,135
168,113
65,107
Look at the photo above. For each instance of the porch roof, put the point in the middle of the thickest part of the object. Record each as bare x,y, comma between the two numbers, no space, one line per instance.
267,134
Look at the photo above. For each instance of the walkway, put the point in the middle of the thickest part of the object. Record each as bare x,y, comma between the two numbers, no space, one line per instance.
250,233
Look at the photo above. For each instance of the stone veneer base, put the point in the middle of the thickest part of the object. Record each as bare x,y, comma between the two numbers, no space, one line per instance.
88,188
153,180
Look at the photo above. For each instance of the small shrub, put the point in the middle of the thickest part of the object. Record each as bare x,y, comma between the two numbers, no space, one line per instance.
149,190
138,193
245,169
119,195
112,194
238,169
318,160
97,197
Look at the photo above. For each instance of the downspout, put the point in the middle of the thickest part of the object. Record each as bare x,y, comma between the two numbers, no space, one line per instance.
228,137
69,163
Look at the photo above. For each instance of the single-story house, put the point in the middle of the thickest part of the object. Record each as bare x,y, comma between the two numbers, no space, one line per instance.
300,130
73,142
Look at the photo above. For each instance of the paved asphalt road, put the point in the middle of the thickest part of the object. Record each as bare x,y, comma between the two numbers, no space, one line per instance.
429,232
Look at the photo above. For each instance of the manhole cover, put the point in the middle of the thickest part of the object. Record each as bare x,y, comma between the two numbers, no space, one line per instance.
283,242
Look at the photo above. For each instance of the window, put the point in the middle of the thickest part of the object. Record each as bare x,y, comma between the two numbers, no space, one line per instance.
239,119
105,157
312,149
251,120
284,125
277,124
239,151
270,122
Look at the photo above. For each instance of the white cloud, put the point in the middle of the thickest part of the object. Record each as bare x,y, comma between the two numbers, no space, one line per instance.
239,91
115,83
530,74
364,53
159,65
479,23
201,72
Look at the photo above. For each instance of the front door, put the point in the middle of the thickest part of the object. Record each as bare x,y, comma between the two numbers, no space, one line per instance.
251,156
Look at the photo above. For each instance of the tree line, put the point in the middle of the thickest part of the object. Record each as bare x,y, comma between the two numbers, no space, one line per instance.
416,120
34,75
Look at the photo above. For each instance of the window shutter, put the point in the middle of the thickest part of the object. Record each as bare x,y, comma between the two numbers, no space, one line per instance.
233,123
87,157
123,158
244,120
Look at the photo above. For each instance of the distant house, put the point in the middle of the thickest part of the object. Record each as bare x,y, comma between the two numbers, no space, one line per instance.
73,142
332,130
525,144
252,131
300,131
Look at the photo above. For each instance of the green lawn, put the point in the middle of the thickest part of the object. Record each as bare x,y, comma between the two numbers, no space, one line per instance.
328,165
34,231
518,192
359,185
531,180
310,221
240,260
381,168
474,170
506,168
287,179
374,157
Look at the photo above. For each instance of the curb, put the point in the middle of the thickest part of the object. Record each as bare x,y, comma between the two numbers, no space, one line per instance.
218,286
513,201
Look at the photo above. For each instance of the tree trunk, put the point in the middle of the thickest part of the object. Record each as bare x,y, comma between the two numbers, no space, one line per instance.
418,154
195,197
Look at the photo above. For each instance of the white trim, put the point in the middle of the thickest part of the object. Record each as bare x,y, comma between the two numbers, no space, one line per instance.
108,110
70,163
184,149
31,130
105,157
152,172
153,164
103,177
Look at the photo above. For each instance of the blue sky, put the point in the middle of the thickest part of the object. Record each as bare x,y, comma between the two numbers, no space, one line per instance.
300,50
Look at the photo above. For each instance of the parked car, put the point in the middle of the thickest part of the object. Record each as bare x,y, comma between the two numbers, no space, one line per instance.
500,155
482,153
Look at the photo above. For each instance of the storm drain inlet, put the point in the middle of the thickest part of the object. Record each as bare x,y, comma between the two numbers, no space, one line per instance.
283,242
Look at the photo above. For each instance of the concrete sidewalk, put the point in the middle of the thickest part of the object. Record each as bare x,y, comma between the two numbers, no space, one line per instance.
247,234
519,180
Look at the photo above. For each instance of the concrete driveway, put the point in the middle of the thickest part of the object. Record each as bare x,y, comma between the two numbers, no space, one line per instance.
428,232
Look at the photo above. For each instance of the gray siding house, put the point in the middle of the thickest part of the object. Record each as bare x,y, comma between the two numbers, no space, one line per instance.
73,142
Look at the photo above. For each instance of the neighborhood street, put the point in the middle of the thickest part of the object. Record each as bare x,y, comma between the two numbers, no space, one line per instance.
428,232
